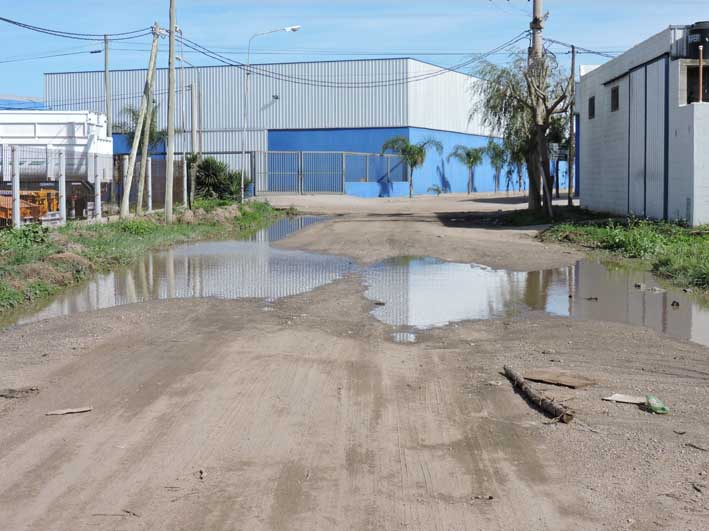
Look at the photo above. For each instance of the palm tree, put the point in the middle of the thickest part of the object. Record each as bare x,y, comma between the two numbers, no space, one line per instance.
414,155
498,159
471,158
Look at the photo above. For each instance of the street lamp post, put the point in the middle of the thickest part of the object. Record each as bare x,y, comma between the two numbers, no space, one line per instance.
289,29
194,113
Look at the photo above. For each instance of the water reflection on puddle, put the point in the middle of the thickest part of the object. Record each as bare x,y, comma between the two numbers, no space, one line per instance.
426,292
416,292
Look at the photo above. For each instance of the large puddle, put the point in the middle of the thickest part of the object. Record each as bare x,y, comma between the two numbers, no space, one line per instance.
411,292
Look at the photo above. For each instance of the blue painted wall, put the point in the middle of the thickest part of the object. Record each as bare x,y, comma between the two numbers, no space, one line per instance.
121,146
437,171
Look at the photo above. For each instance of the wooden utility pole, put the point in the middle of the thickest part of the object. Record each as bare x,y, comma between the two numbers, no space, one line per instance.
125,200
107,88
537,26
572,129
171,84
144,152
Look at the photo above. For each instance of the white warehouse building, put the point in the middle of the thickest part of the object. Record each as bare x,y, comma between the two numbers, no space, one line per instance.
328,107
644,131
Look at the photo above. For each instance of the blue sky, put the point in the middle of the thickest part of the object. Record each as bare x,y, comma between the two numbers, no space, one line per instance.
332,29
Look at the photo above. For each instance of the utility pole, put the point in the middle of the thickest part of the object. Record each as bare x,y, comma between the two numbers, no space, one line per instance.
572,129
144,152
537,26
107,88
125,200
193,167
170,170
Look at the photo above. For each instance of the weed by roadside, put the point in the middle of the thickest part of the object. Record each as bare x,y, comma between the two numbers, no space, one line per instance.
670,250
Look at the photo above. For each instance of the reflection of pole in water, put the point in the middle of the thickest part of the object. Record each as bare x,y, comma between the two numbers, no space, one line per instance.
170,272
142,280
570,276
131,297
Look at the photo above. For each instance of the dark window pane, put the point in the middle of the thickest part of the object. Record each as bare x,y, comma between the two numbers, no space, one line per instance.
615,99
591,108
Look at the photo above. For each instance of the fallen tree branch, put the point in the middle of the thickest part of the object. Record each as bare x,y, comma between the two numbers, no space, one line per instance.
551,408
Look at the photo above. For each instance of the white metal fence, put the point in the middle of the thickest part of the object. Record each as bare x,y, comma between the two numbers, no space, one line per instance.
324,172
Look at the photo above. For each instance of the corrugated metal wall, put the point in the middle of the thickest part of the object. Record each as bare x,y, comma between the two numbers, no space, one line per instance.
636,168
441,101
438,103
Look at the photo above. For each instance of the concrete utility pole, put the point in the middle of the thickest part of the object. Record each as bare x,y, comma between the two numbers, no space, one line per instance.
144,152
125,200
107,88
193,167
537,26
170,169
572,129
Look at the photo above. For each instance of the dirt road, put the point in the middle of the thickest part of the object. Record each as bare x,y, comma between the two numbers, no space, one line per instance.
305,414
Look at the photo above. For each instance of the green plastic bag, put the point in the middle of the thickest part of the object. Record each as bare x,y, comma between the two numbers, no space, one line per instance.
655,405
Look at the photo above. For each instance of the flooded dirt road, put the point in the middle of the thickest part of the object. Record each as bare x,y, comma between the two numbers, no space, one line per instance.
321,408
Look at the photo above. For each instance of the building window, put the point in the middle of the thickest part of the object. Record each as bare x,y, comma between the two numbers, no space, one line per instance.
591,108
615,99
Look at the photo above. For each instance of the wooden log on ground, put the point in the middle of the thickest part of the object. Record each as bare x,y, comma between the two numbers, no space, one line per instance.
549,407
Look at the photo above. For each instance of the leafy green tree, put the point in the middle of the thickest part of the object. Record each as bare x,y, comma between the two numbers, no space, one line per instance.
519,101
471,158
214,180
498,159
414,155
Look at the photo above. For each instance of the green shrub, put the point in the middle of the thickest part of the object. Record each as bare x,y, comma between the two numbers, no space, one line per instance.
9,297
216,181
138,227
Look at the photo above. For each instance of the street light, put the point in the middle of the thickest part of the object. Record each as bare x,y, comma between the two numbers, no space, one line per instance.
287,29
193,127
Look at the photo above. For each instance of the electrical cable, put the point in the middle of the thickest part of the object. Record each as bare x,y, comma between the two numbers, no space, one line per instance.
349,84
126,35
5,61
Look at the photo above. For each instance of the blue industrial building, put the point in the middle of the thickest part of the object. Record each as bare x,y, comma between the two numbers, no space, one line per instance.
312,127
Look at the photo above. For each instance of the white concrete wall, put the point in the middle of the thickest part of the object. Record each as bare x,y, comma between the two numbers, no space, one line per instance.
701,164
604,149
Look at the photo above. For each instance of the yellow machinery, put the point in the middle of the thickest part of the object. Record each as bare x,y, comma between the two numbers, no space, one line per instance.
33,205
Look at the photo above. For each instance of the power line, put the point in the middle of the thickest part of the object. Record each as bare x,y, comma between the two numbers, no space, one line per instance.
126,35
349,84
34,58
610,55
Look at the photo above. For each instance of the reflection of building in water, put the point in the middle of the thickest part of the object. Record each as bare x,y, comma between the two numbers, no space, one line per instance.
620,301
284,227
227,270
426,292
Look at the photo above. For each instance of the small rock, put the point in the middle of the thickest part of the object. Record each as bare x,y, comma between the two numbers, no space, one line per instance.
675,304
639,285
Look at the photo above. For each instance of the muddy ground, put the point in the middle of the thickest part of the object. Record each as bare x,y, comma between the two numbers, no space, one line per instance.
304,414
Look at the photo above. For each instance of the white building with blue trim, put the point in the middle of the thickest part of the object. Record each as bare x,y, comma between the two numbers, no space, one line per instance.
349,106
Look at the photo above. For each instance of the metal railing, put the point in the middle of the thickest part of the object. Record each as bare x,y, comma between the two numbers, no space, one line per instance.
320,172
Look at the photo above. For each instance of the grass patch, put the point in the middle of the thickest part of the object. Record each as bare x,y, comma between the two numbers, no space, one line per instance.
670,250
35,263
210,204
562,214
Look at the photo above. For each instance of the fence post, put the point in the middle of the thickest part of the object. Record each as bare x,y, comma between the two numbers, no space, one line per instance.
62,188
366,172
97,189
301,173
16,214
388,169
124,172
149,182
344,171
185,193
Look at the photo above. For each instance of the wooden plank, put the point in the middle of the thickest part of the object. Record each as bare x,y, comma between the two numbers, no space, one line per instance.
70,411
625,399
560,377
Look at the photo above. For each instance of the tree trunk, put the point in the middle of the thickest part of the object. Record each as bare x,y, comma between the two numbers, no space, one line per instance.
534,202
470,180
545,171
411,182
